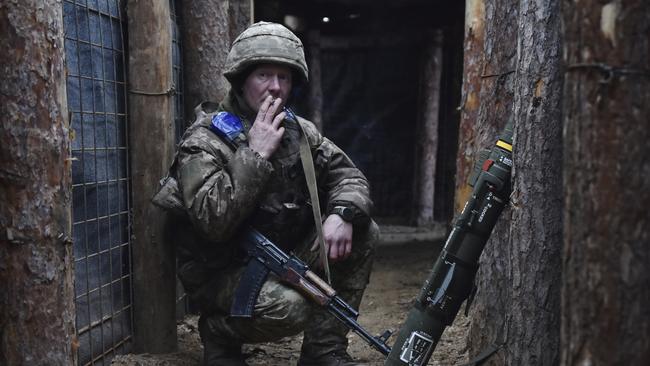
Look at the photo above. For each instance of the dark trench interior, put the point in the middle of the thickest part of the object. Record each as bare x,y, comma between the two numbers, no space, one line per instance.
371,64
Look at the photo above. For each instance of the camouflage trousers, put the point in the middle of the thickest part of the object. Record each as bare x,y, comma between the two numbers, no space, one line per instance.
281,311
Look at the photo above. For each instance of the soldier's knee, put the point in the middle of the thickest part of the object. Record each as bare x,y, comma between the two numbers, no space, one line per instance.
366,237
293,311
372,235
286,315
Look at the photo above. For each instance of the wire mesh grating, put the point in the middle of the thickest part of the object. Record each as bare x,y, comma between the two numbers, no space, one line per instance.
96,85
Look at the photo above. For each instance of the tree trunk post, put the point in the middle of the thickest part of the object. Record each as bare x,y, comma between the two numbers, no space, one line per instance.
427,144
532,316
36,260
209,28
151,147
517,303
497,80
606,286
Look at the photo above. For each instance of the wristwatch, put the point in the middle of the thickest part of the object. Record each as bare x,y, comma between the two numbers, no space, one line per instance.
346,213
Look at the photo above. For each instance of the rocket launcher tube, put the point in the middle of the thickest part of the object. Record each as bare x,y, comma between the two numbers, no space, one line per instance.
452,276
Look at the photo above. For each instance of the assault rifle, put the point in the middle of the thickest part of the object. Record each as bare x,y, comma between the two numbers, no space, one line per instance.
266,257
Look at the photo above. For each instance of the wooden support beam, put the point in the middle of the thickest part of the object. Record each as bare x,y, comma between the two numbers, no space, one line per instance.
151,146
384,40
427,144
209,28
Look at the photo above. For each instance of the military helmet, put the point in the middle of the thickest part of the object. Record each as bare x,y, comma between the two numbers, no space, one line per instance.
265,42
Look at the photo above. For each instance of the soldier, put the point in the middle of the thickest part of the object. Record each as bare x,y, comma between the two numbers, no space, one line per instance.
257,178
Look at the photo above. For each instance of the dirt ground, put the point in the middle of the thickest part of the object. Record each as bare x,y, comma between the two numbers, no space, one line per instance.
398,273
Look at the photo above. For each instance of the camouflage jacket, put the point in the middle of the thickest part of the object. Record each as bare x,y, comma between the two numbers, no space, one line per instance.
220,189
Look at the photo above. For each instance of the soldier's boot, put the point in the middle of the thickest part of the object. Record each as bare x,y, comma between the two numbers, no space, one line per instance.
218,350
325,344
333,358
325,341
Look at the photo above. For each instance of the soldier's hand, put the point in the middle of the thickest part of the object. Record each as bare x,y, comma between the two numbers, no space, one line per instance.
337,235
265,134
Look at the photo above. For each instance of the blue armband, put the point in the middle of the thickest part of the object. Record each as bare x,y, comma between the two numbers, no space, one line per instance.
227,126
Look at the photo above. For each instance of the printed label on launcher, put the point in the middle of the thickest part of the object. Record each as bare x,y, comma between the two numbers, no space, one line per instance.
416,348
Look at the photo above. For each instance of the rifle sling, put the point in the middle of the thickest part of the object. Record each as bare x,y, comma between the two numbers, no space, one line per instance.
256,273
310,175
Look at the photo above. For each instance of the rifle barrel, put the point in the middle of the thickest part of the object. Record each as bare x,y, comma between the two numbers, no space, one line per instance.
374,342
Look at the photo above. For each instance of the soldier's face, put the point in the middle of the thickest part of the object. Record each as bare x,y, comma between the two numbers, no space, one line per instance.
264,80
